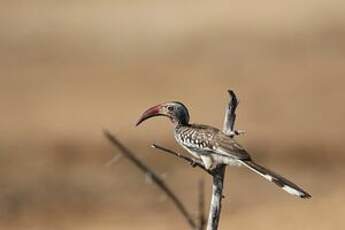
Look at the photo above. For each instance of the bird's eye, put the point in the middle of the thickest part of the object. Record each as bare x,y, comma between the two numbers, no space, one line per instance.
170,108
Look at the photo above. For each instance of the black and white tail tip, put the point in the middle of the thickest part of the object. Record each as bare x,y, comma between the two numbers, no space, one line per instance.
283,183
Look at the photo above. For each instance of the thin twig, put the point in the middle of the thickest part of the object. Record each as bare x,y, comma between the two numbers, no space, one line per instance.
201,204
155,178
193,162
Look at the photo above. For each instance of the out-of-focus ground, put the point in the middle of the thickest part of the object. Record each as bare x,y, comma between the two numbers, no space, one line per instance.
69,69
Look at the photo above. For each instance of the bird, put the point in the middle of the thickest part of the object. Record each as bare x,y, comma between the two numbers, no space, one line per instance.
212,146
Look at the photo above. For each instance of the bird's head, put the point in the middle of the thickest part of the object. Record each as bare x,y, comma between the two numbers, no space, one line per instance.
176,111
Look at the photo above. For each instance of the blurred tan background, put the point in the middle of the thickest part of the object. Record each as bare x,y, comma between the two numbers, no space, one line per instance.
69,69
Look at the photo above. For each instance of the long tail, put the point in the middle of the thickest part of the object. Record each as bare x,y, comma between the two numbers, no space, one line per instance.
283,183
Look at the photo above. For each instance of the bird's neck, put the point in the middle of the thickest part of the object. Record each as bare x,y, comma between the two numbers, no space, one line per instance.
180,121
180,125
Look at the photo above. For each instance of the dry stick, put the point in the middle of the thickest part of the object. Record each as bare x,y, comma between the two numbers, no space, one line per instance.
217,187
230,113
219,172
194,163
217,196
191,161
155,178
201,209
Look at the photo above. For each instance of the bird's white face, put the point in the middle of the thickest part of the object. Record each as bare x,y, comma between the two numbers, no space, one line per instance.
170,110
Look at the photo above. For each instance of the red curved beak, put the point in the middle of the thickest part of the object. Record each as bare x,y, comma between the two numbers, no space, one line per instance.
151,112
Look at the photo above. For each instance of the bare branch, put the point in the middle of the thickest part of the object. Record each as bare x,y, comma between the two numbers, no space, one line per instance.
216,200
217,188
230,116
193,162
155,178
201,204
219,172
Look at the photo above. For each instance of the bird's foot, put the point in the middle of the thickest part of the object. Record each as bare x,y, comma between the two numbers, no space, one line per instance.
193,163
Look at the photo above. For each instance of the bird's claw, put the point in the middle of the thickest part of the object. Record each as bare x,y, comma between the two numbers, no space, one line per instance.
193,163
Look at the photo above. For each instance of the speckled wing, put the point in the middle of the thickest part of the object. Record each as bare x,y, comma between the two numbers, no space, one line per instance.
197,138
205,140
226,145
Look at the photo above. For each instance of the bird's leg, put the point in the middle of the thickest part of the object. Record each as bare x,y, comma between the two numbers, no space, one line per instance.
208,162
